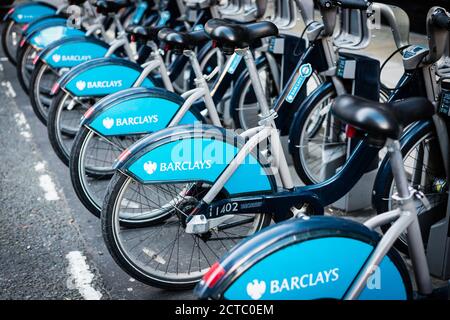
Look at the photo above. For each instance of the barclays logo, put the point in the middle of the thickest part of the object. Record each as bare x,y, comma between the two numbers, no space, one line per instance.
81,85
70,58
108,122
256,289
150,167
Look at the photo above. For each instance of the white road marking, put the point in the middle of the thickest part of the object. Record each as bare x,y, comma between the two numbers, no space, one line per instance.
10,92
40,166
24,127
80,277
46,183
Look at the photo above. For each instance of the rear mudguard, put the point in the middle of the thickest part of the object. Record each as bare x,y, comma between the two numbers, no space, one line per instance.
299,259
195,153
42,23
136,111
101,77
67,53
43,37
27,12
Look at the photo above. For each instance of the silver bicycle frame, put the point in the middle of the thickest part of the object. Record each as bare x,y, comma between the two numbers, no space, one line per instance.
202,91
156,62
266,131
406,219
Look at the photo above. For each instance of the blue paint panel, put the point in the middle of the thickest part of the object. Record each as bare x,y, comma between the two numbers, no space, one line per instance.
28,13
305,73
163,18
51,34
234,62
70,54
134,116
198,159
314,269
140,11
104,79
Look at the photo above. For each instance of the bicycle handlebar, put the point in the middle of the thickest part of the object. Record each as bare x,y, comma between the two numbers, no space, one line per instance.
345,4
441,19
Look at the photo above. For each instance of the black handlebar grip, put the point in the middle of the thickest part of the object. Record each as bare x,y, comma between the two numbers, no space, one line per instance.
441,19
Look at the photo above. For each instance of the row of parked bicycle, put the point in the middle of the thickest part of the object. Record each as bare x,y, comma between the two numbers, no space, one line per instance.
140,99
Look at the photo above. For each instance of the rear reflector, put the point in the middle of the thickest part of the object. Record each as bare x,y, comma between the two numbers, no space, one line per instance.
55,88
214,274
88,113
35,60
125,153
350,131
25,27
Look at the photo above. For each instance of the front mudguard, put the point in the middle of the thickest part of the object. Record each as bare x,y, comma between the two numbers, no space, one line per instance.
196,153
136,111
30,11
68,53
300,259
101,77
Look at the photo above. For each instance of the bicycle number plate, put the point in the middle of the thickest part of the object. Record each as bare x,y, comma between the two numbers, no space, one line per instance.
276,45
346,68
444,106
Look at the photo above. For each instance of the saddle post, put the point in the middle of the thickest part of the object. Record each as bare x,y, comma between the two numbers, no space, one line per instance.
200,82
406,198
268,119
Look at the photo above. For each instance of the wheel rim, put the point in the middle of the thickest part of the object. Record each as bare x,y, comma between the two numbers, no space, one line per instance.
68,122
28,65
40,89
315,141
100,163
422,176
164,250
14,32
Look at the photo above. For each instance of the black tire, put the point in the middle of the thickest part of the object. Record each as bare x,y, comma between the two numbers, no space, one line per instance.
79,172
239,90
300,121
36,90
383,186
55,133
119,182
7,29
24,55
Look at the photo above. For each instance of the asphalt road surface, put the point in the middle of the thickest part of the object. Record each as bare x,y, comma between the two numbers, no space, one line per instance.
50,246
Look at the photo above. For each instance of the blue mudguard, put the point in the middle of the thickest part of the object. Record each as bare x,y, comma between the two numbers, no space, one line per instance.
195,153
30,11
302,259
101,77
43,37
67,53
136,111
42,23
